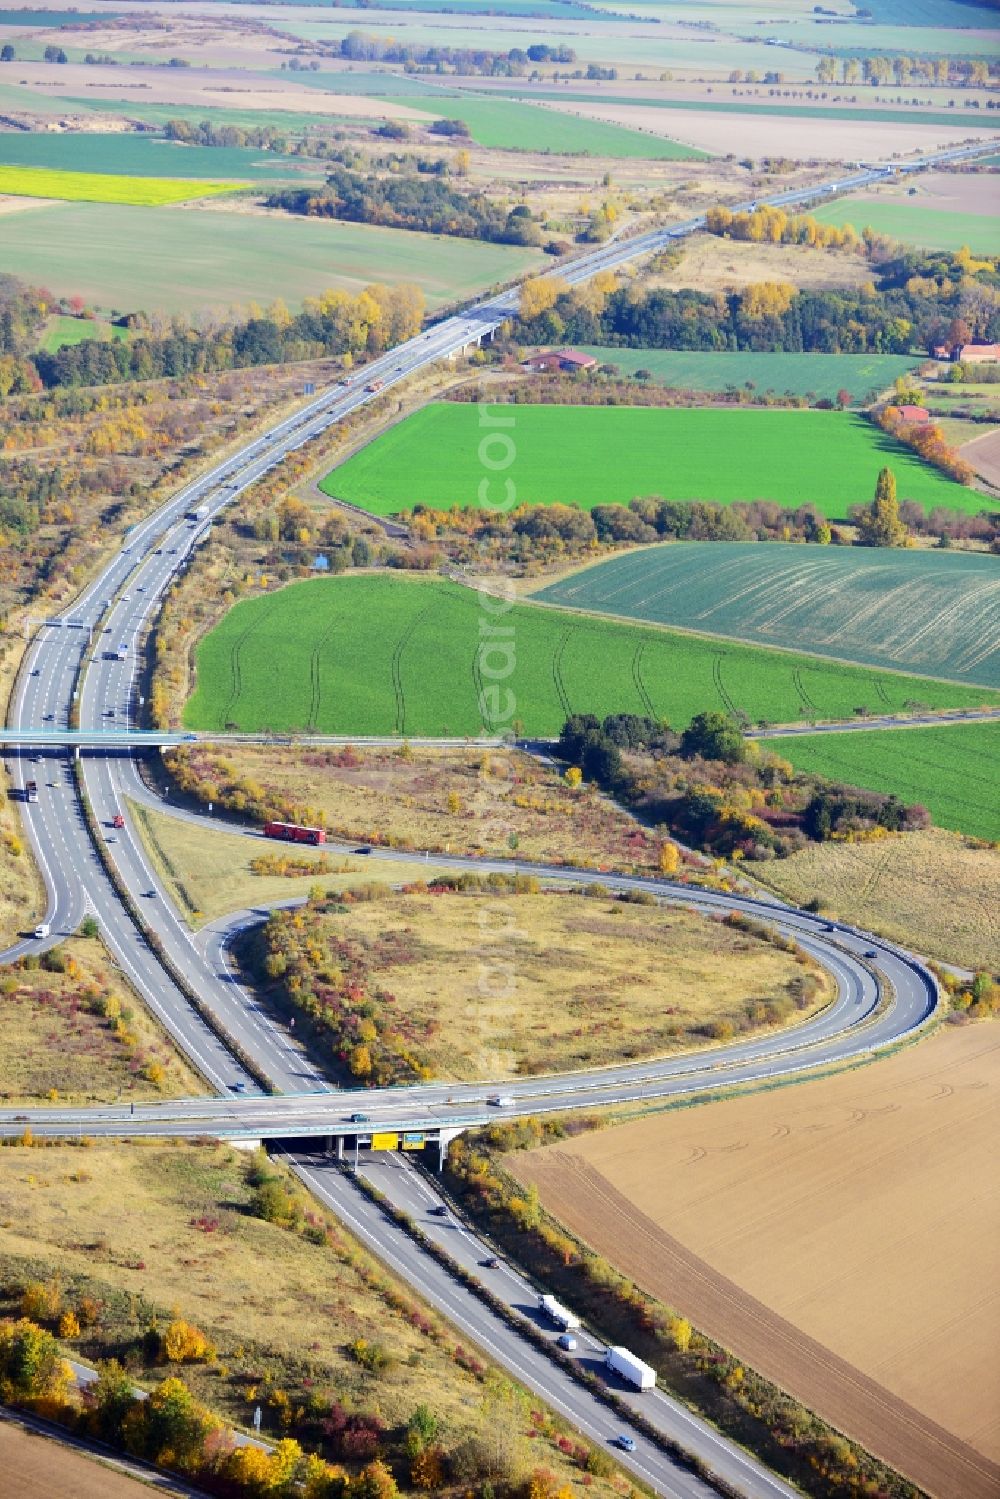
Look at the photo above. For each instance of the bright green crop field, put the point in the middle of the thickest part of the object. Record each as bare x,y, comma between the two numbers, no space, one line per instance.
597,455
926,611
524,127
384,654
952,771
931,228
820,375
100,187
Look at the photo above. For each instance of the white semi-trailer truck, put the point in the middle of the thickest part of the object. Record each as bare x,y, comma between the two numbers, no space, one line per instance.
630,1368
557,1313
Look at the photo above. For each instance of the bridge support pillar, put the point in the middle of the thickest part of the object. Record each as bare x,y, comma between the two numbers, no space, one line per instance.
444,1140
76,753
340,1147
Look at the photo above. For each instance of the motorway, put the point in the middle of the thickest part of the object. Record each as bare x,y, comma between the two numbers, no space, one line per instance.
91,658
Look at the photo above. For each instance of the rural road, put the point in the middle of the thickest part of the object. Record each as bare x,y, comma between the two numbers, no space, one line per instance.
122,740
164,962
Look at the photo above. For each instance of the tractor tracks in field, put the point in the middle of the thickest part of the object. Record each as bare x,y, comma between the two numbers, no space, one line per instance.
397,657
236,669
640,686
557,676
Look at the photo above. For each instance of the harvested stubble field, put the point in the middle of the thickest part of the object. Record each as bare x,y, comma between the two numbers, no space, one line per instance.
487,985
209,875
952,770
384,654
708,263
827,1235
927,611
933,891
593,455
101,187
761,134
820,375
508,804
57,1042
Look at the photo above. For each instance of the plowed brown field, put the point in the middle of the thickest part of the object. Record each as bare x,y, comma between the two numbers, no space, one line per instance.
40,1467
984,454
842,1237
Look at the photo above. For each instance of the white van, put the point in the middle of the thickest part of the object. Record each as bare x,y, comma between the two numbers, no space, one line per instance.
42,930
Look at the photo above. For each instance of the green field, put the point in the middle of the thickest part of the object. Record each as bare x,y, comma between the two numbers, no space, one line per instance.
60,331
930,228
820,375
523,127
596,455
390,655
182,261
141,156
98,187
952,771
920,611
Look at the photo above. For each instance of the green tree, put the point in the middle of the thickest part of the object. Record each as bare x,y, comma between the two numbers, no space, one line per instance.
880,525
112,1396
713,736
421,1430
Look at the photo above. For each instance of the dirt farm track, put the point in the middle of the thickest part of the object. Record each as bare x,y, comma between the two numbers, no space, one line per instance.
842,1237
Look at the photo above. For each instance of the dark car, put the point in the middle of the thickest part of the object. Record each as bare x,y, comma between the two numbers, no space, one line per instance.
625,1442
491,1264
361,1119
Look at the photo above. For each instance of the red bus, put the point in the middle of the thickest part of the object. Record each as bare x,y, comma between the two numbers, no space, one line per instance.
291,832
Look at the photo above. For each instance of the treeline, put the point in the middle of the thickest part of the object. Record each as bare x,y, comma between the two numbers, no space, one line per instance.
363,46
208,133
533,534
719,791
334,323
410,201
773,226
921,300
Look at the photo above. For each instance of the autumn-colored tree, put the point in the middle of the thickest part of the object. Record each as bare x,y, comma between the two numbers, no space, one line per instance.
670,858
69,1325
361,1061
183,1343
31,1367
539,295
427,1469
375,1481
41,1302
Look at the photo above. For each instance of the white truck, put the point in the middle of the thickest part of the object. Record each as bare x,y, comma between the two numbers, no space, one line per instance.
630,1368
196,513
557,1313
